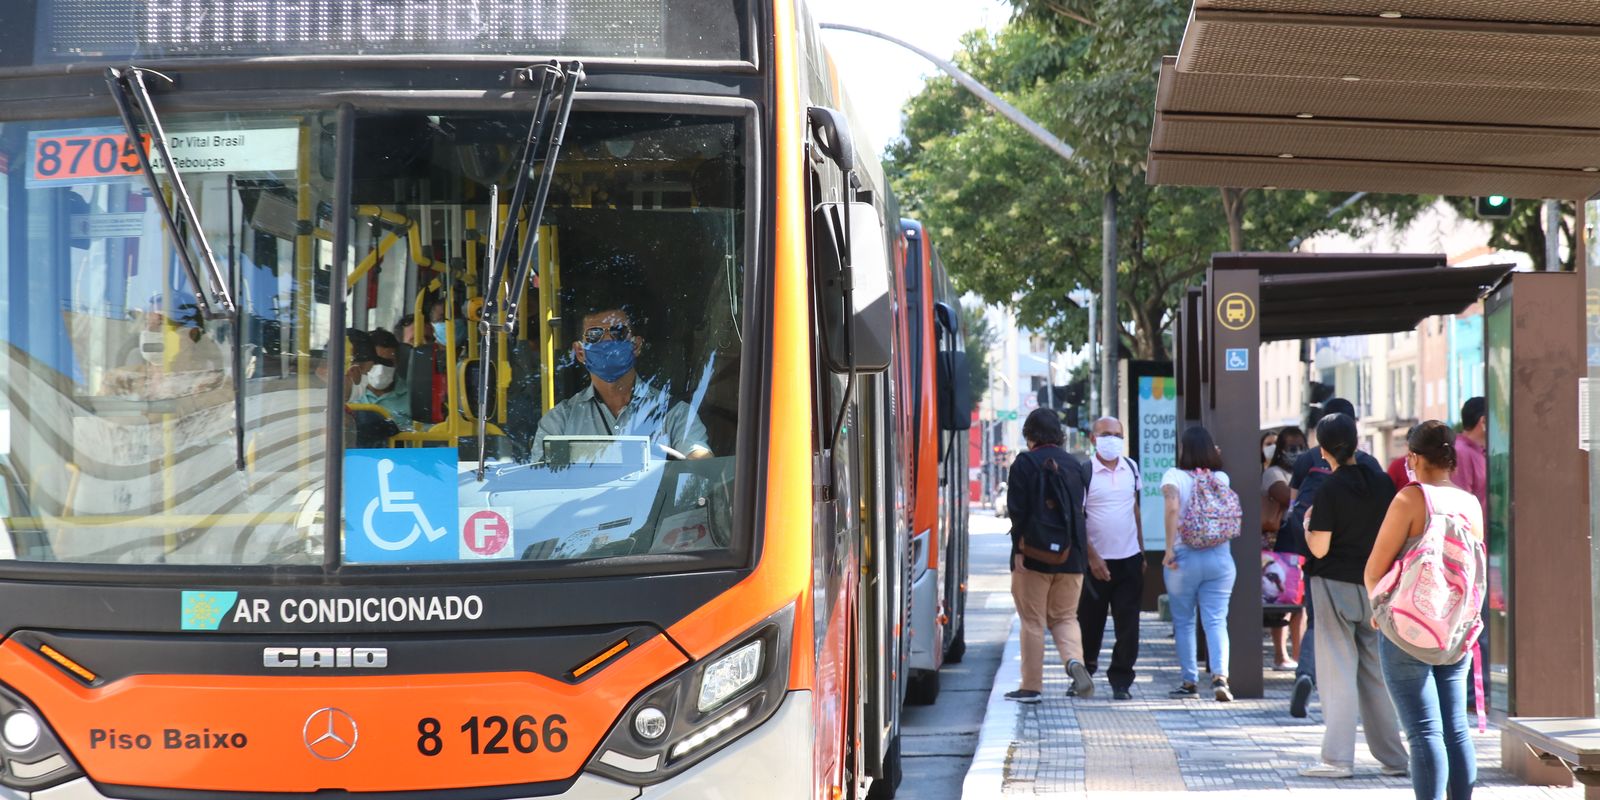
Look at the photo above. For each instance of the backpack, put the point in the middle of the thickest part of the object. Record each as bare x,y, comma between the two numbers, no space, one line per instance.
1429,602
1212,516
1051,532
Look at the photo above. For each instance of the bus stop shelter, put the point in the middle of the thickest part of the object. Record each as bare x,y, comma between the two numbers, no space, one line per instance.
1448,97
1251,298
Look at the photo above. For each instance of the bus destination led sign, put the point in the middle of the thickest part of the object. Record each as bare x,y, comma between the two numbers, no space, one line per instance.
196,28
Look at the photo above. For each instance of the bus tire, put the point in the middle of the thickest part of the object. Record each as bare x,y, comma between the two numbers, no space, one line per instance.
923,688
884,788
958,646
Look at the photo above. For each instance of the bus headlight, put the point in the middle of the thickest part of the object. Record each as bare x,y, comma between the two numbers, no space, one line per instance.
729,675
20,731
33,757
697,710
650,723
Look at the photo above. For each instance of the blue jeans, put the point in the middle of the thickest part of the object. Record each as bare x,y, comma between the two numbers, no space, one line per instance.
1432,702
1203,581
1308,644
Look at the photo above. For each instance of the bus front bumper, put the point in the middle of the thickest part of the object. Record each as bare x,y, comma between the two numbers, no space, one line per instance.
772,762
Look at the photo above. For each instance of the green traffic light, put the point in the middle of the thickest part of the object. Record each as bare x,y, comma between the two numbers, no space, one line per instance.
1495,206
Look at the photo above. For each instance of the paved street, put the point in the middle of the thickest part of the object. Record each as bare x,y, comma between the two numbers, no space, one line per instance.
938,740
1151,745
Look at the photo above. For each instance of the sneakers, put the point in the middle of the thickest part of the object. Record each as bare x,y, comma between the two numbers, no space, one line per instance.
1219,685
1302,695
1082,682
1121,694
1325,770
1023,696
1286,666
1394,772
1185,690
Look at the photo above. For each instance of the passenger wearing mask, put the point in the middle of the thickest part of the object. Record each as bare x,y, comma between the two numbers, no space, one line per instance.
1472,462
1431,699
1199,581
373,360
1342,528
1275,500
1115,583
1046,594
617,401
1310,469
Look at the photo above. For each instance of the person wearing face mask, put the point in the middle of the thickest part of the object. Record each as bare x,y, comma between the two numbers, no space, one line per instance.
1116,557
1279,457
379,378
617,401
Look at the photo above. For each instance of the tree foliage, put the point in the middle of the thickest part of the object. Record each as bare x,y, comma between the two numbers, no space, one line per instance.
1524,230
1018,225
978,339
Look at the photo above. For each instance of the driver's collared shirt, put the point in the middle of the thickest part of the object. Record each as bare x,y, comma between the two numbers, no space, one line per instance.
651,412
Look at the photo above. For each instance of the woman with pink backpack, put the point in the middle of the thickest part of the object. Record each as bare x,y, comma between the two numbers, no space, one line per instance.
1426,577
1202,517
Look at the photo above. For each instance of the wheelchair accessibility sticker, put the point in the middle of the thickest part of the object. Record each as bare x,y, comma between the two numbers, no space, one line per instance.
400,505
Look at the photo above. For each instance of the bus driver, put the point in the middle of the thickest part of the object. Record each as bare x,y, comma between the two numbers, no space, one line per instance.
617,402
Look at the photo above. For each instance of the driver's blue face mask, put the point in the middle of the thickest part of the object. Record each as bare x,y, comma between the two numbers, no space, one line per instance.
608,360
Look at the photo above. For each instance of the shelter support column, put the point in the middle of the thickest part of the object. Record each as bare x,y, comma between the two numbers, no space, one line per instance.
1230,409
1539,649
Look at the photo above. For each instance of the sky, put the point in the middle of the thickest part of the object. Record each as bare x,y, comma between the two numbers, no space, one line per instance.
880,76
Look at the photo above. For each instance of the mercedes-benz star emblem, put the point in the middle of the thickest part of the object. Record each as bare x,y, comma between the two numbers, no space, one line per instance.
330,734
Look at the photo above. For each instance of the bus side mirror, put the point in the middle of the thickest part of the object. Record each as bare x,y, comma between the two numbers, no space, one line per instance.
946,316
831,132
955,391
872,313
867,310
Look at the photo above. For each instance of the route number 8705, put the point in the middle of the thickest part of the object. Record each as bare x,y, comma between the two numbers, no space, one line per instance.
495,736
86,156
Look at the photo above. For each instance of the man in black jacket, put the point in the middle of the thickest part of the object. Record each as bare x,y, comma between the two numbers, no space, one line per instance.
1047,594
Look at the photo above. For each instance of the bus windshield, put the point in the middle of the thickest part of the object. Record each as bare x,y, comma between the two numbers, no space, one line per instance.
613,398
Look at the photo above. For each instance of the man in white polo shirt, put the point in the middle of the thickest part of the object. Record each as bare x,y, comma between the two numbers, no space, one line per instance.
1115,582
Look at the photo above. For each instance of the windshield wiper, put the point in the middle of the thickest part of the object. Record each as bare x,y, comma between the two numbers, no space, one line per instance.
514,285
127,89
235,280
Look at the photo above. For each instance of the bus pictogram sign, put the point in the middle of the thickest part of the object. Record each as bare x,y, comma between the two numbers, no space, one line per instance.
486,533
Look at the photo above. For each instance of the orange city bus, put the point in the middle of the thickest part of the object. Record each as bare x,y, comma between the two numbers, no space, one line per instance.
935,469
446,399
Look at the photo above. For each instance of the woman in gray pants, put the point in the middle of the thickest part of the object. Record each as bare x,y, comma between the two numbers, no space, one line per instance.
1340,532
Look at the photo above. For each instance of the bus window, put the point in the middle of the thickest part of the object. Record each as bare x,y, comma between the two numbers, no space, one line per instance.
612,418
120,387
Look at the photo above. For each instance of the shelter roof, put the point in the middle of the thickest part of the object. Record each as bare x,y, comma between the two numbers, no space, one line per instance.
1456,97
1308,295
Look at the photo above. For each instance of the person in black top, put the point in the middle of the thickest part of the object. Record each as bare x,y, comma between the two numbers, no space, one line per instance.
1342,527
1047,595
1310,470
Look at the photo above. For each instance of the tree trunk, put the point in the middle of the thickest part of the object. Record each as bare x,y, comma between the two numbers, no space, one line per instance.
1233,206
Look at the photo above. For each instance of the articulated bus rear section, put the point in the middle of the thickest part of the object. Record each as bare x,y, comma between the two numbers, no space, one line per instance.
938,411
444,400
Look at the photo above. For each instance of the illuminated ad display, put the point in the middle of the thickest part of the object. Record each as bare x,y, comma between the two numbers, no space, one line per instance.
72,30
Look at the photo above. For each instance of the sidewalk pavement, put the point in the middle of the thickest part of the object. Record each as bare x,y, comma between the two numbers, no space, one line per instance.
1067,747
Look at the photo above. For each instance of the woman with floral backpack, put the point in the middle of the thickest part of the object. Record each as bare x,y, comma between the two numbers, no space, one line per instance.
1426,577
1202,517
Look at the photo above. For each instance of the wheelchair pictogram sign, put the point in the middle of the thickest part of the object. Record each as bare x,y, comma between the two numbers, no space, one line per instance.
400,505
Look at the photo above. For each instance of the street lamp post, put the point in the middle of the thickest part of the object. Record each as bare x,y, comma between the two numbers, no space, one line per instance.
1108,267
